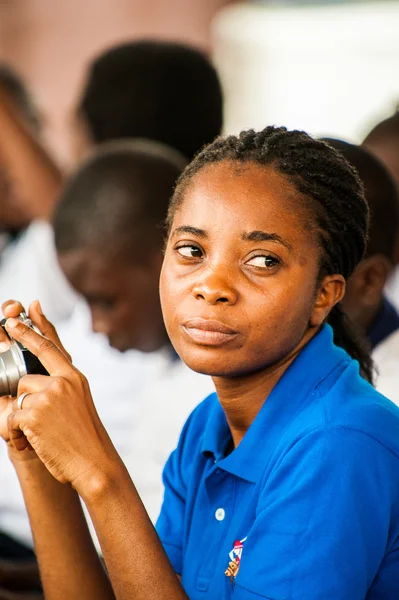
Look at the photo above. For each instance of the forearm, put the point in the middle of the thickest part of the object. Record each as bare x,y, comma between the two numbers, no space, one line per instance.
69,565
34,175
136,562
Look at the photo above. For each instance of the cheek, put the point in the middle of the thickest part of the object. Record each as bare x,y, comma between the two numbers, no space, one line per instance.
167,290
280,310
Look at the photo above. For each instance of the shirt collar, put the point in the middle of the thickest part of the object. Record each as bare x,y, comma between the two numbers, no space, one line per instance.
293,392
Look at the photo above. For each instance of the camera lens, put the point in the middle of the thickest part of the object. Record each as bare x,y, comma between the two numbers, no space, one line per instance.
16,362
12,368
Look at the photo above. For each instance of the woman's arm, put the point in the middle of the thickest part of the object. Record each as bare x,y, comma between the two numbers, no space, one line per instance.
135,559
34,177
69,564
59,421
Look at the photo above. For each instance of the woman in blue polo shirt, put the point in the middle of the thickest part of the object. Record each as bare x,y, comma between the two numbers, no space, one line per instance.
284,485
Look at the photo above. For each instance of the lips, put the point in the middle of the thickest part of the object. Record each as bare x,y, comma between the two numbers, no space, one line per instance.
209,332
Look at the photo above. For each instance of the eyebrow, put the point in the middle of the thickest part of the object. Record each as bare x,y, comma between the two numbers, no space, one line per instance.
263,236
192,230
251,236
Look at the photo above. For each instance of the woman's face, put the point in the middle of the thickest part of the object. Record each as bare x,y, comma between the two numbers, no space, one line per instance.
238,284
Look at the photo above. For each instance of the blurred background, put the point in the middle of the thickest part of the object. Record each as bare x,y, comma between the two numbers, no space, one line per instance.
327,67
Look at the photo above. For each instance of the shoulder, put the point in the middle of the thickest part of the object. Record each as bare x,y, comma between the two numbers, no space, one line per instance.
354,408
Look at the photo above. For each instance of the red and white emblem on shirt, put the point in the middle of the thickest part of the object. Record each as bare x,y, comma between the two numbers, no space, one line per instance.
235,559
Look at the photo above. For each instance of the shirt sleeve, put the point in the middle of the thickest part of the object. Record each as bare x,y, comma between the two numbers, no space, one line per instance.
323,523
170,523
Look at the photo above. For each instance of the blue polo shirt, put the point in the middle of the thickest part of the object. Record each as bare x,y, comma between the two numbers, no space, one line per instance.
306,507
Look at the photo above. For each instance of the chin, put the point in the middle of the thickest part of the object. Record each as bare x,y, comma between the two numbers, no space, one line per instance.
209,362
119,345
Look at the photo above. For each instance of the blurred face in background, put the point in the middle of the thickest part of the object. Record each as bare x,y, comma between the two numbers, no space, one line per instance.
80,142
12,215
123,297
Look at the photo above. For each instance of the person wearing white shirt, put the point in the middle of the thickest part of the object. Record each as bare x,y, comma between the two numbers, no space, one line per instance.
109,244
115,265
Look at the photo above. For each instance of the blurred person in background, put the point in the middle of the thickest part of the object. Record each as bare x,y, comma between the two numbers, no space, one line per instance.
114,263
162,91
383,141
33,269
29,180
365,302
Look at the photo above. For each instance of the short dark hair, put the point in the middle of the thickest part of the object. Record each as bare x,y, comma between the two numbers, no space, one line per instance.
162,91
19,94
381,194
118,199
334,194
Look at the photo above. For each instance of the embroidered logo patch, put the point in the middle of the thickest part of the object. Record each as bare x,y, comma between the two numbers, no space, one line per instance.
235,559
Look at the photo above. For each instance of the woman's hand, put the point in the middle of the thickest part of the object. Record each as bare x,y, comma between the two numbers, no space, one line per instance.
58,418
10,309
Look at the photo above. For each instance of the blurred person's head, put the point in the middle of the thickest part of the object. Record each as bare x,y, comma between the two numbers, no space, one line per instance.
12,218
161,91
383,141
109,238
364,290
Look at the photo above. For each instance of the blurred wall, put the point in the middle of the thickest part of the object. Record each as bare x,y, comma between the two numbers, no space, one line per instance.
328,69
49,42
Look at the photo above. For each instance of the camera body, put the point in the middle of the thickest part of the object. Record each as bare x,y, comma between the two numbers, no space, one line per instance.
17,361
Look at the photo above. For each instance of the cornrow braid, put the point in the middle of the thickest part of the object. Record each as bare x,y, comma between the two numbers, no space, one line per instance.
335,194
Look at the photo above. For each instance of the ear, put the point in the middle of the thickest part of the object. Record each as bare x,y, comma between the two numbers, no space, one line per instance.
369,279
330,292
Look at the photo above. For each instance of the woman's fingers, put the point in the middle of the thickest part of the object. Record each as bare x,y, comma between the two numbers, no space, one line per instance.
51,357
6,403
16,422
11,308
30,384
46,328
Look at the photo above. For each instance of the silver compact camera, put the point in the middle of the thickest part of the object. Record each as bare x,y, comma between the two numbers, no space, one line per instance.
17,361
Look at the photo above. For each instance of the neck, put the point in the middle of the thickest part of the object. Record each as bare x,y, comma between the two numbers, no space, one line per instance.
242,397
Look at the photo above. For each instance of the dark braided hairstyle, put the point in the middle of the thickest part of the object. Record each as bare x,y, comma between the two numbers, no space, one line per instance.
335,196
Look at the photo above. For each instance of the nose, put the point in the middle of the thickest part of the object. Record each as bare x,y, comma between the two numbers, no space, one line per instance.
215,286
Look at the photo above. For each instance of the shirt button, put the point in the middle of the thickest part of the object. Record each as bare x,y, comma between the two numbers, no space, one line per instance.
220,514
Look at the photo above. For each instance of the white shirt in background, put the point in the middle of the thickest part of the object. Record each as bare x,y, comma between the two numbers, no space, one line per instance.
386,359
392,288
166,403
142,399
29,271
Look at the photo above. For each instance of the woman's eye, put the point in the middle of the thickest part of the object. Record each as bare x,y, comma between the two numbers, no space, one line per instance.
263,261
189,251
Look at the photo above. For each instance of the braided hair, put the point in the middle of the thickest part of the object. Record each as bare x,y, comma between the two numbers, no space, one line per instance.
335,196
